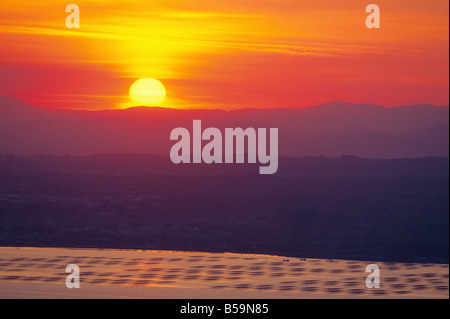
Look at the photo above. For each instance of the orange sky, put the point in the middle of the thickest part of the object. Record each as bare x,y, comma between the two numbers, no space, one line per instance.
225,54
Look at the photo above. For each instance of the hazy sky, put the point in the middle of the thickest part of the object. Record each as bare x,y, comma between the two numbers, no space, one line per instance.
225,54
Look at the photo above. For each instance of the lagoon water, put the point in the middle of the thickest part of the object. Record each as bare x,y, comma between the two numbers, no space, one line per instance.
104,273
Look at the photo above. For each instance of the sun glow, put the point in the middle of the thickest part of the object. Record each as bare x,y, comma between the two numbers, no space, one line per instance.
147,92
224,54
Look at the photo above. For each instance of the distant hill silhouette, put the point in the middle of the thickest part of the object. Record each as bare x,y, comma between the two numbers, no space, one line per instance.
332,129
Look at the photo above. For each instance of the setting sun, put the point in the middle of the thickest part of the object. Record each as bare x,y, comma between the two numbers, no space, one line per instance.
147,92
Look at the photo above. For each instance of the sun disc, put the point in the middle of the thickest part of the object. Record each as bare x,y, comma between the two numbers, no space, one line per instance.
147,92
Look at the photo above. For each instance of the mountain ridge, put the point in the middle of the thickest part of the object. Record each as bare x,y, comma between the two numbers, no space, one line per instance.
332,129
